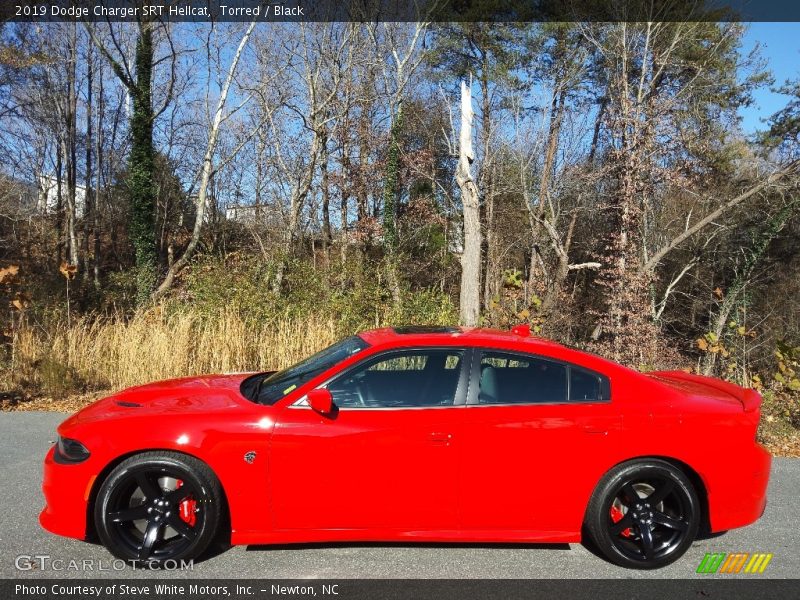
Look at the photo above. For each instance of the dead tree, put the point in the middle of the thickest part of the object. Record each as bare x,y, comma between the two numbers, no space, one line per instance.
470,299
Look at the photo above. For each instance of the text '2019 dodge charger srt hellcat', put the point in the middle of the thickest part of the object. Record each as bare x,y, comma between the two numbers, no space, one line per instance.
424,434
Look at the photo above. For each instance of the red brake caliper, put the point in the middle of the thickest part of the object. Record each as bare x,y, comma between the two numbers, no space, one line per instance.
617,516
187,507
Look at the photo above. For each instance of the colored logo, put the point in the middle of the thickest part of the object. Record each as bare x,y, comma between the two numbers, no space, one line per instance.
735,562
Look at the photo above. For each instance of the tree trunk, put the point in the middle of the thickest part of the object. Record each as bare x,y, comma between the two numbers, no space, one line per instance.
363,164
98,155
598,123
625,330
71,146
295,208
327,235
390,185
469,304
344,190
88,203
553,133
365,133
59,201
490,274
141,165
262,142
390,189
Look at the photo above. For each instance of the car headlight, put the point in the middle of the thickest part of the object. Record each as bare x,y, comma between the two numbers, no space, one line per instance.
70,451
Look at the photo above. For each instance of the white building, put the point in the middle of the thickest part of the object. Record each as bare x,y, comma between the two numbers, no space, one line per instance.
48,196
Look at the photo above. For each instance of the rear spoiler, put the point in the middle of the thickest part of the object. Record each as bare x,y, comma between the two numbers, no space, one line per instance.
750,398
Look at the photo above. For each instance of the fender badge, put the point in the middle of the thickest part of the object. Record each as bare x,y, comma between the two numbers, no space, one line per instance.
249,457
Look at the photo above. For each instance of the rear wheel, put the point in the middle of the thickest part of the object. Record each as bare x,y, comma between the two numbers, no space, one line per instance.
158,506
644,514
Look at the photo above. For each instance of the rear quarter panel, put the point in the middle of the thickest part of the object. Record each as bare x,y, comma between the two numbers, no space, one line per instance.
711,435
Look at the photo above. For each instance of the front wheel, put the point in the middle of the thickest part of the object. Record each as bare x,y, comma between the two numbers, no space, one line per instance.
158,506
644,514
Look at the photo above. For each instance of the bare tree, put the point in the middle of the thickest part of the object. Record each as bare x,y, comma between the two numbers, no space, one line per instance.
319,60
61,94
656,73
470,297
207,169
773,178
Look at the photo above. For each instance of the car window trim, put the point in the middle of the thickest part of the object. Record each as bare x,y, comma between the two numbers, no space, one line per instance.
462,387
475,377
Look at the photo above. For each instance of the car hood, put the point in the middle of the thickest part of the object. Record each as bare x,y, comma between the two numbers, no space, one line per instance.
200,394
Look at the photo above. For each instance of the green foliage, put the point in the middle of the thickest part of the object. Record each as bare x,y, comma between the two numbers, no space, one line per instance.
784,130
732,359
492,51
119,293
391,184
512,278
511,307
781,409
243,282
710,342
787,376
424,306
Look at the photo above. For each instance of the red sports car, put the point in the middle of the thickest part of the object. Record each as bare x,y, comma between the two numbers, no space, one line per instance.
424,434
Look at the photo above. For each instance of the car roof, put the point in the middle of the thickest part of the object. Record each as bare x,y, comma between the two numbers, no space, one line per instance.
518,338
466,335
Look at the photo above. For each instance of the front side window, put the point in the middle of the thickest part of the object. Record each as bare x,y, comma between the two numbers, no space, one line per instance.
514,379
410,379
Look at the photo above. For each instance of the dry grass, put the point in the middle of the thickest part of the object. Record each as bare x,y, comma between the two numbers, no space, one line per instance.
114,354
66,367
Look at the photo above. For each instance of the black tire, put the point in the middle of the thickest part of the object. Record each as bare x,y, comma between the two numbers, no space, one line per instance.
144,515
651,530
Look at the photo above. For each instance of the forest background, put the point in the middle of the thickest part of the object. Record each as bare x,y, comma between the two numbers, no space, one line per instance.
179,198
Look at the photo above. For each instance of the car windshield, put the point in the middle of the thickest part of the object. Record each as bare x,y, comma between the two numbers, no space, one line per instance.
268,388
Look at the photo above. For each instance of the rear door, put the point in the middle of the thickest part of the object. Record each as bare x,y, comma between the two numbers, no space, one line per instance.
536,434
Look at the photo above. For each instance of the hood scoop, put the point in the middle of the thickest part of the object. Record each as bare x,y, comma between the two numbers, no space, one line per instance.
128,404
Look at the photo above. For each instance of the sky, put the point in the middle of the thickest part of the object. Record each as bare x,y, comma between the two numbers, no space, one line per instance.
780,46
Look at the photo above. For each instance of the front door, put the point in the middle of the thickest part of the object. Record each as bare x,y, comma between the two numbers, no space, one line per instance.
384,460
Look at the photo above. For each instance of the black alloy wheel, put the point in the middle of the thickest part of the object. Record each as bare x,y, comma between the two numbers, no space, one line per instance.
644,514
158,506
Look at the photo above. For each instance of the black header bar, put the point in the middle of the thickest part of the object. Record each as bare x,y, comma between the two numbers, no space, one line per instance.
206,11
158,587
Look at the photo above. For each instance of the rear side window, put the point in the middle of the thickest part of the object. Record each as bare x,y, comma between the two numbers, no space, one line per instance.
515,379
588,386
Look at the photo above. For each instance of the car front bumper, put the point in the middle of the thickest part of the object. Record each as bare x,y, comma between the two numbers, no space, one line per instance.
67,489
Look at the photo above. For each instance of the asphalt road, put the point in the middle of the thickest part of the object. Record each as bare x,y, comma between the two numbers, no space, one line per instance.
25,437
